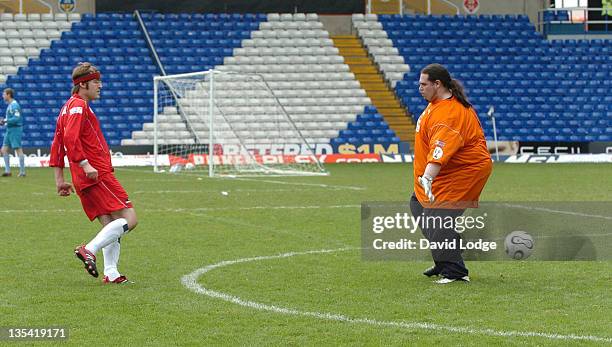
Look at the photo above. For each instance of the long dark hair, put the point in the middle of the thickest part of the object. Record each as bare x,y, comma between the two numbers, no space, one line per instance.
438,72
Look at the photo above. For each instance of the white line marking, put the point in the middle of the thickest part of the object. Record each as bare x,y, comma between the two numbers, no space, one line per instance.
190,281
320,185
199,209
191,191
202,209
184,176
39,211
571,213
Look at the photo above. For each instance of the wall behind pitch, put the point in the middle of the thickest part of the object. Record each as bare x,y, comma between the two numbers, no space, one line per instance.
82,6
235,6
528,7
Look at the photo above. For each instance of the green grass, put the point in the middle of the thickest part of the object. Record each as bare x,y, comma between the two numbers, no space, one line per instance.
186,224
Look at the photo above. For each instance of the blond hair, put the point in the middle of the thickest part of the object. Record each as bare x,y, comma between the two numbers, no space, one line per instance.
80,70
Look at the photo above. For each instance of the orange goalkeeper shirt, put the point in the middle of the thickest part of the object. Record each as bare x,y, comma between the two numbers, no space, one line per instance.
449,134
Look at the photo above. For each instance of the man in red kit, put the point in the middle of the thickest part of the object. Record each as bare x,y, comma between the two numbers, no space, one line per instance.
79,137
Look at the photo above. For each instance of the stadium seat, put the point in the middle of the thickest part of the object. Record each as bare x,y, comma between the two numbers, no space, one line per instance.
517,63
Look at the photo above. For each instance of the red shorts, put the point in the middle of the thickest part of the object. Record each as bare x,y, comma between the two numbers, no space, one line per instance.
104,197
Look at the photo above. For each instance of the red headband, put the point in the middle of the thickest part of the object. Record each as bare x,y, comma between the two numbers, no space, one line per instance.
86,78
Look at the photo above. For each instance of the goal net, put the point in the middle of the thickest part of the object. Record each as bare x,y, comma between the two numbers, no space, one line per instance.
226,124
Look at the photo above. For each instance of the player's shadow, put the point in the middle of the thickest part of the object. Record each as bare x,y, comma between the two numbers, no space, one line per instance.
569,247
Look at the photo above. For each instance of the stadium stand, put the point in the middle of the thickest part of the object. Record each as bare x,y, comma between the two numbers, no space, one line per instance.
112,42
294,54
377,73
375,39
541,90
23,36
197,42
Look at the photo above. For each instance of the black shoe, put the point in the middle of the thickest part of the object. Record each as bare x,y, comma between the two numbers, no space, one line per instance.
431,271
6,174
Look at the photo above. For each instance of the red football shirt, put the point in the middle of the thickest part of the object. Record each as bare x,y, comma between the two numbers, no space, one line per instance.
78,136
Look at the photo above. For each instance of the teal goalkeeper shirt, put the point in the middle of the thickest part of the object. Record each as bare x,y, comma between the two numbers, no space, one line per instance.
13,115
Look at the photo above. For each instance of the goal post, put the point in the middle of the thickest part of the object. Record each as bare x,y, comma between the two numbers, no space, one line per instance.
220,123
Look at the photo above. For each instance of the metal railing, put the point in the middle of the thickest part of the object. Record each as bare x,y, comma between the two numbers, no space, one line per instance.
160,66
42,2
575,15
401,6
445,1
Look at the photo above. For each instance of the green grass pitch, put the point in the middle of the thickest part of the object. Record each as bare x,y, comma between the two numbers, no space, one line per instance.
186,224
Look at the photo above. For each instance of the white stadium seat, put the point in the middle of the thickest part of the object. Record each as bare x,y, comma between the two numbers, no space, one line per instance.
20,60
39,33
286,17
358,17
312,17
34,17
64,25
37,25
52,25
18,52
10,70
53,34
6,60
377,42
22,25
26,34
32,52
29,42
20,17
273,17
6,25
43,43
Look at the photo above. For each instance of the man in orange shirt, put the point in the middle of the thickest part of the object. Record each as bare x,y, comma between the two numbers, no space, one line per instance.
451,165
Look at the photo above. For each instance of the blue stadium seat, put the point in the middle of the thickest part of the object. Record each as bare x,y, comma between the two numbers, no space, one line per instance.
369,109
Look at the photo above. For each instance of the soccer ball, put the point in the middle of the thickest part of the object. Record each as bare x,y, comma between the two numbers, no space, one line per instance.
519,245
189,166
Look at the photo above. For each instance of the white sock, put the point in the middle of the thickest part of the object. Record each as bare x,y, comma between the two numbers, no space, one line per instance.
111,259
109,234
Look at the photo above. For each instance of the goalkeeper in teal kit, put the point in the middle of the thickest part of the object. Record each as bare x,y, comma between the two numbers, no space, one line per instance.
14,130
